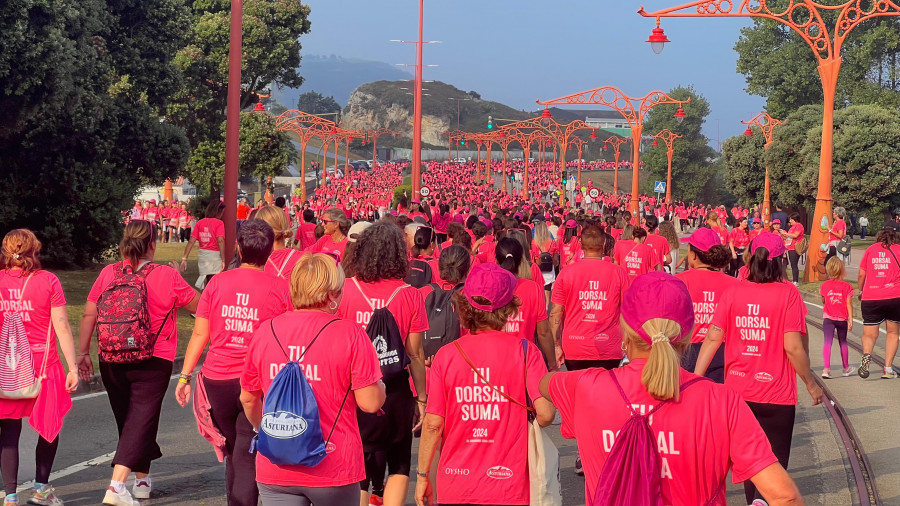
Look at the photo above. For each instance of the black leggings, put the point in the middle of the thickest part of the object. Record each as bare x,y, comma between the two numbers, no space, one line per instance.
777,421
794,260
136,394
10,430
240,464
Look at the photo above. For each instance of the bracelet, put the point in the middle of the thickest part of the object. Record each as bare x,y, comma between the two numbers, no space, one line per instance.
185,378
419,401
420,473
84,354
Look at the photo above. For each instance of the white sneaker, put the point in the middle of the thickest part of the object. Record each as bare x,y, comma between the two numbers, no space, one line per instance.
759,502
826,374
141,489
113,498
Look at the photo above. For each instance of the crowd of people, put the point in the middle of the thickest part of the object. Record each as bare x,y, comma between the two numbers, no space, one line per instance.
470,318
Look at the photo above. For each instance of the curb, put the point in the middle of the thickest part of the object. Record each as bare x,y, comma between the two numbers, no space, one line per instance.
96,384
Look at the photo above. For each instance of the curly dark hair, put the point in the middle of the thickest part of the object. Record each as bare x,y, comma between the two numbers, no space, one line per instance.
381,253
477,320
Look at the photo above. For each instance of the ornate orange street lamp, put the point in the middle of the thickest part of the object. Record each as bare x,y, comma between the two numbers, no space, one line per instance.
374,135
614,98
616,142
668,137
577,143
505,138
526,140
306,127
807,18
767,124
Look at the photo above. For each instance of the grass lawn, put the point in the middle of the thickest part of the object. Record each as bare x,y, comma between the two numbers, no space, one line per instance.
77,285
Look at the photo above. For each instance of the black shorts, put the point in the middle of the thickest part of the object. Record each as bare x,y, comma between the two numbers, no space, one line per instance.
875,312
390,433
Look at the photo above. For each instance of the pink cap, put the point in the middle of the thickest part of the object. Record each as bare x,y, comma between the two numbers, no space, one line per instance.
658,295
703,239
777,220
571,224
416,201
152,201
771,242
492,282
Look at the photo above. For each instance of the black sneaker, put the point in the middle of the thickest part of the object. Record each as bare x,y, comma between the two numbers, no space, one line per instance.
863,370
578,469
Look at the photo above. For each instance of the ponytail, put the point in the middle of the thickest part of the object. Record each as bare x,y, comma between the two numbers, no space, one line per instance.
661,375
509,253
136,241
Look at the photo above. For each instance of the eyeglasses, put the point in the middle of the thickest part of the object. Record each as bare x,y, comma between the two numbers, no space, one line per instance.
326,222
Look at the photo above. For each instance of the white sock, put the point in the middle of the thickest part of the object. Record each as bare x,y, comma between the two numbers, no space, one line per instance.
117,486
145,480
889,370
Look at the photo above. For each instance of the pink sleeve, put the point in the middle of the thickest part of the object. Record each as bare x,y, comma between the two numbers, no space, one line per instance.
57,297
723,311
184,293
535,369
195,233
558,294
562,394
795,313
220,229
435,385
749,447
102,280
364,366
208,293
822,289
540,303
864,261
849,290
419,320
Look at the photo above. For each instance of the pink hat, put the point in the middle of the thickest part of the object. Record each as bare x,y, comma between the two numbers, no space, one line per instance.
703,239
658,295
416,201
771,242
571,224
492,282
152,201
777,220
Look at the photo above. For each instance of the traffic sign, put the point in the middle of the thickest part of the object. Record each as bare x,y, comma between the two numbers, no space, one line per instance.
424,191
659,187
594,193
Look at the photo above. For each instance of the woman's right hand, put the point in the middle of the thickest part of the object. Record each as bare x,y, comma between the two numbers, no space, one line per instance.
85,367
183,394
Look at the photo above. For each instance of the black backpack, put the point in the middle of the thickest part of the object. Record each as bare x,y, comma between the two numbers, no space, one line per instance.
419,274
545,262
443,320
385,336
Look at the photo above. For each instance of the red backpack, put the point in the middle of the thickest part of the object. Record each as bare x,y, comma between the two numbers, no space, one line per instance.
124,334
631,475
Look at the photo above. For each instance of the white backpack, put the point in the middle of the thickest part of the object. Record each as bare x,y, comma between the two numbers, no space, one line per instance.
17,375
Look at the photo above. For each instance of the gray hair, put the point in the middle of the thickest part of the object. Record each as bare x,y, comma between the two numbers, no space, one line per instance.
840,211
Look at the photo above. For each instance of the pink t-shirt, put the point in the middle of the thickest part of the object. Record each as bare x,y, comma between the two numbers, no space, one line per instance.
281,262
485,453
207,232
882,272
326,244
342,358
306,235
791,243
836,293
640,260
739,238
706,288
660,246
591,292
839,226
42,293
708,431
532,311
408,306
755,317
568,252
166,290
236,303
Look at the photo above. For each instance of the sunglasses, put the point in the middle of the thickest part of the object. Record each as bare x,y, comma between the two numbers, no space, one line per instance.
326,222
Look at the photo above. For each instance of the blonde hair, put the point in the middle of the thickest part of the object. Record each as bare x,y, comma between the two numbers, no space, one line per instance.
20,251
136,241
314,277
661,374
713,216
275,218
835,268
541,234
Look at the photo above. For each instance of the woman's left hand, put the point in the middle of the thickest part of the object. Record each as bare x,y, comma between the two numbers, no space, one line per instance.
424,492
418,416
72,381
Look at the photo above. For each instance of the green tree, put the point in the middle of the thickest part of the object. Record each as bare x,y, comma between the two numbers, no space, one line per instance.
744,169
314,102
271,57
81,84
780,66
784,159
692,161
264,151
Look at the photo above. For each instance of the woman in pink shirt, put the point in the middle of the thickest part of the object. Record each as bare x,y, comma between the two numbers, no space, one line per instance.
336,361
762,322
879,282
640,258
568,244
137,421
35,298
477,401
335,239
531,319
738,240
791,237
836,232
282,259
381,262
209,234
233,306
704,430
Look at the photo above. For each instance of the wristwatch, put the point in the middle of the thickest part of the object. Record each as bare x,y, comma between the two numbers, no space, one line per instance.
420,473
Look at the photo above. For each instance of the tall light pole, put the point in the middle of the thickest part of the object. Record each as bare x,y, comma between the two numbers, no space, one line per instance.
808,19
668,137
616,142
633,110
233,126
767,124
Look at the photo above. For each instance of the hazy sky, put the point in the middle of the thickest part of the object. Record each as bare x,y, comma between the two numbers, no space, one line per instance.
518,51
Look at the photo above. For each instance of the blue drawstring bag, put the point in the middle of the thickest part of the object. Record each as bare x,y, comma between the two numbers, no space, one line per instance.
290,433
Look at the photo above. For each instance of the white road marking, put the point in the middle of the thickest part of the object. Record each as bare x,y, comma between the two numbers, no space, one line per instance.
62,473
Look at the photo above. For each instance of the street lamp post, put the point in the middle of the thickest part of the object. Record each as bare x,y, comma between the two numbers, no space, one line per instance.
767,124
504,139
616,142
305,126
807,18
578,143
668,137
233,126
375,134
614,98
